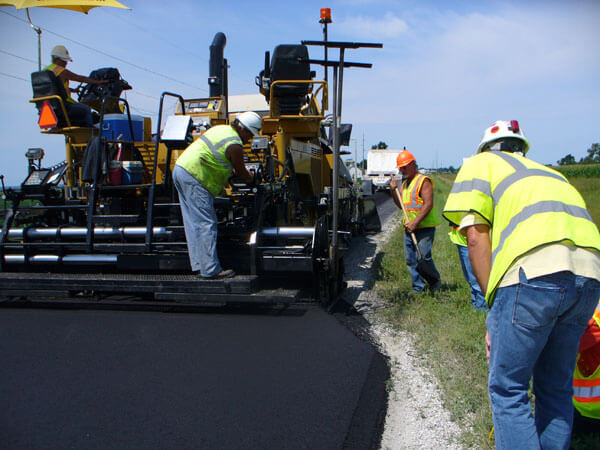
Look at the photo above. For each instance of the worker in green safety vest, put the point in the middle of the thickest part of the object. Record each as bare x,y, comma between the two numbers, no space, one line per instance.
536,255
200,174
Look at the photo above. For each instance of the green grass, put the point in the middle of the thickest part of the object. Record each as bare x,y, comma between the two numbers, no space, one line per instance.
449,332
580,170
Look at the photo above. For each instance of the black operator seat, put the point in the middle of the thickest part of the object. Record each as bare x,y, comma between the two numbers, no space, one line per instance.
45,84
290,62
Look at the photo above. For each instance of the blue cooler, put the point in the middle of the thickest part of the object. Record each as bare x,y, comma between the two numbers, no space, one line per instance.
132,172
117,124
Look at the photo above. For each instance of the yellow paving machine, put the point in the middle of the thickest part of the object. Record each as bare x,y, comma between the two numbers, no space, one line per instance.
107,220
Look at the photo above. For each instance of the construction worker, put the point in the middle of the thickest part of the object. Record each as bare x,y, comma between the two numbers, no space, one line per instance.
477,298
586,379
200,174
535,252
78,112
416,194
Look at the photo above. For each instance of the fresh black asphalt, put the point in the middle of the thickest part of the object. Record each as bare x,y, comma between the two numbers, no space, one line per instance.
91,379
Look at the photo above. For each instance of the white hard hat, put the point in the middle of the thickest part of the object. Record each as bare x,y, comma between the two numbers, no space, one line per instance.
503,130
251,121
60,51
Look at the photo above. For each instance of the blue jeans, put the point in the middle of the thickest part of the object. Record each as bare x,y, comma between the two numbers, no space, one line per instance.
199,221
534,328
425,237
477,298
80,114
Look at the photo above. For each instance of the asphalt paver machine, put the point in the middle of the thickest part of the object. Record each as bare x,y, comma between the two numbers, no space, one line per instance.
105,225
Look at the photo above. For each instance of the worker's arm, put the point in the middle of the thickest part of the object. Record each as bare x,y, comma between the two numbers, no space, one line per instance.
67,75
235,154
480,254
427,196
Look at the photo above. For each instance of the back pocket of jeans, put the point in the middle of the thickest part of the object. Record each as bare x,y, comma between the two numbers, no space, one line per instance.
536,306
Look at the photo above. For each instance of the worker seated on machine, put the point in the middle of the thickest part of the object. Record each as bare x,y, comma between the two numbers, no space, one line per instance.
77,112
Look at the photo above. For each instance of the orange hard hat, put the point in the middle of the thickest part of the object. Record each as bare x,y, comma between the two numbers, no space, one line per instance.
404,158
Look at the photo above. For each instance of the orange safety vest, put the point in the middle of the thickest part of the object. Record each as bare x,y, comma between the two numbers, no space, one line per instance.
413,202
57,70
586,389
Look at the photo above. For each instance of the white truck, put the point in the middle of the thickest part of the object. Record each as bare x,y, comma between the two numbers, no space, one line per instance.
381,167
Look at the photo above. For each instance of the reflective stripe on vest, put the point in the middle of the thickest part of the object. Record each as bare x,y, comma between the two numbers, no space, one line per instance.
214,149
414,203
205,158
57,70
586,390
526,204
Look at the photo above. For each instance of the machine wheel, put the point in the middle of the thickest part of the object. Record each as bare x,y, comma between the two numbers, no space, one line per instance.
328,281
321,263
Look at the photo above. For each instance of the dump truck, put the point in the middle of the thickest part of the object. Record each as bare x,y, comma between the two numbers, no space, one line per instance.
105,226
381,167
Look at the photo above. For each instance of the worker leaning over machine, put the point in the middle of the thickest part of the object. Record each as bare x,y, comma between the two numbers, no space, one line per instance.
416,194
200,174
76,111
535,252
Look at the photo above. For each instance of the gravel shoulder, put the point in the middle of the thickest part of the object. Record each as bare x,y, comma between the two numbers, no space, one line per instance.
415,416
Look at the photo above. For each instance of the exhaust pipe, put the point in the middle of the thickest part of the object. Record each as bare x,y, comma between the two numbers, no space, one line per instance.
216,69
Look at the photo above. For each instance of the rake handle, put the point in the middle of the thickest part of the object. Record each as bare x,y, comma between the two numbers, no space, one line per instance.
412,235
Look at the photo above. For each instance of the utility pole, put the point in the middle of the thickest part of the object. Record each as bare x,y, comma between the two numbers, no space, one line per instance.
363,153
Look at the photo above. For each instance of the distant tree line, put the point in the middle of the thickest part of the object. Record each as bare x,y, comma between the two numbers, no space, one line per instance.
593,156
382,145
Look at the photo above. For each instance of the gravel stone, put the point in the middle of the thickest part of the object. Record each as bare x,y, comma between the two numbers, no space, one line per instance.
415,416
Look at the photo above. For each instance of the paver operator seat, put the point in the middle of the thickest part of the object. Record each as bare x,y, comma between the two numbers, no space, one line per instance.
290,62
47,87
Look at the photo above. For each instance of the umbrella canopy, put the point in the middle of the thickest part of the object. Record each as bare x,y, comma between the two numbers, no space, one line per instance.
75,5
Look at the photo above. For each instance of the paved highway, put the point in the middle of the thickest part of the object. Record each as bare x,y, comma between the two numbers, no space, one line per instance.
243,379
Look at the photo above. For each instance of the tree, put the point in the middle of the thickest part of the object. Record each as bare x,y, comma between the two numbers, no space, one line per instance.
593,154
381,145
569,159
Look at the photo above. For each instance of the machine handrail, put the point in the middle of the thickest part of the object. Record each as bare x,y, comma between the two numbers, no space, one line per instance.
150,215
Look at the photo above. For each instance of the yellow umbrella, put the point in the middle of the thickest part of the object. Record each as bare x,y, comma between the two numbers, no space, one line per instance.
75,5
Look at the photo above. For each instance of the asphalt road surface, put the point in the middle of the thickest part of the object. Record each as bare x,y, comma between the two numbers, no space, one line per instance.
244,379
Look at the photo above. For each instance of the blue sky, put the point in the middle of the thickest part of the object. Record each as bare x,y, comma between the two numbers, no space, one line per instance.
447,69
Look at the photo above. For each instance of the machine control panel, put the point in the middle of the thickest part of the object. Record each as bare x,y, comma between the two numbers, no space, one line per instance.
202,106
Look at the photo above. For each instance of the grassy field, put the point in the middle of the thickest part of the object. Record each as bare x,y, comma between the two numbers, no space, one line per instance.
449,332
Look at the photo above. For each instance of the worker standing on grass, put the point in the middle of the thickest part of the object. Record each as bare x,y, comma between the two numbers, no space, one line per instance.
477,297
77,112
415,195
200,174
586,379
536,254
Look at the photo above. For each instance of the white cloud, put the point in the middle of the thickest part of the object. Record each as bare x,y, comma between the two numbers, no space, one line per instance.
388,26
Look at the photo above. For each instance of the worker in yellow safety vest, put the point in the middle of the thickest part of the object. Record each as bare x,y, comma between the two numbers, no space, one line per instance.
79,114
416,195
535,251
586,379
477,298
200,174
